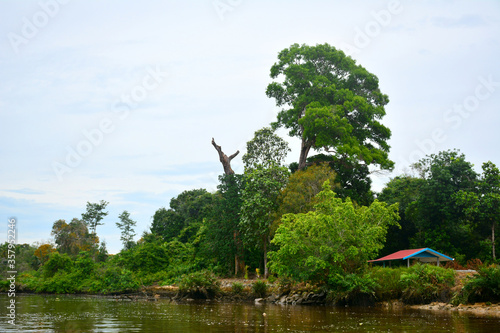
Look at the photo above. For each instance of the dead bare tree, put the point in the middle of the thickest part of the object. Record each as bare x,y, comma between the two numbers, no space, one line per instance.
224,159
239,263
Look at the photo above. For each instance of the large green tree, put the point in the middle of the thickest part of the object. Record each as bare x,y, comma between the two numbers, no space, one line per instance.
126,225
330,103
435,213
481,206
184,217
94,215
402,190
222,239
265,177
336,238
73,237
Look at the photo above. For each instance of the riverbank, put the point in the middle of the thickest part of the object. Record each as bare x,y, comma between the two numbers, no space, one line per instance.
306,295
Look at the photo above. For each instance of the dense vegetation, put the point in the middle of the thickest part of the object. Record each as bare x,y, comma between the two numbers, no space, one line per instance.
317,221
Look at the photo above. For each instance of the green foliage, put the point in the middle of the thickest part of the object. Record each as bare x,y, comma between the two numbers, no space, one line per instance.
302,187
435,213
423,284
199,285
146,258
352,177
25,255
352,288
126,225
330,103
56,263
482,287
336,237
187,209
237,288
403,190
94,215
73,237
221,239
388,282
116,279
262,187
481,206
259,288
265,150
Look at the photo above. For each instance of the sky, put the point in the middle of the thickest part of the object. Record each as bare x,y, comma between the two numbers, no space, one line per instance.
119,100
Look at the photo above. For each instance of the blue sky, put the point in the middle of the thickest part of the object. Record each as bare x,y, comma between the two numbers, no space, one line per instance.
119,100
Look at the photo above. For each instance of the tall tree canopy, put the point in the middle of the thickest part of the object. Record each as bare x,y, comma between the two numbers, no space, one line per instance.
337,237
265,177
73,237
94,214
186,212
126,225
403,190
482,206
330,103
435,213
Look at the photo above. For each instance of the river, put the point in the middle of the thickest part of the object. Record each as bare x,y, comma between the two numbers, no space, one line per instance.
67,313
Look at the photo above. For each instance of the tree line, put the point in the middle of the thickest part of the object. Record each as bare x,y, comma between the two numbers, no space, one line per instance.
314,220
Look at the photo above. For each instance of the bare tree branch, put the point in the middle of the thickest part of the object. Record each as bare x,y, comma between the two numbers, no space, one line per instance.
224,159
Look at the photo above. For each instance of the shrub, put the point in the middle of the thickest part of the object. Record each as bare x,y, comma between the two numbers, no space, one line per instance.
57,262
352,289
387,279
259,288
485,286
423,284
237,288
199,285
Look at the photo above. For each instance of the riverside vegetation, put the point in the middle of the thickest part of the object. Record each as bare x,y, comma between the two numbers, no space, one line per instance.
303,232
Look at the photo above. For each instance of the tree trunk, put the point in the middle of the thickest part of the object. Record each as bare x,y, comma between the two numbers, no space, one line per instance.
224,159
266,272
493,241
304,151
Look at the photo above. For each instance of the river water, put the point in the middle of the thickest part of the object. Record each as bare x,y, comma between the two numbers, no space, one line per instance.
61,313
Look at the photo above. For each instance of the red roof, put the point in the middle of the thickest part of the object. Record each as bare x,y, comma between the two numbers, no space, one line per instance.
398,255
414,253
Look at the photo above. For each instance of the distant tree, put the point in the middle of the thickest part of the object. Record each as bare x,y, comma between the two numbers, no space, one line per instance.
126,225
403,190
302,187
73,237
186,212
222,238
481,205
353,177
102,254
94,215
265,177
266,149
43,252
331,104
435,213
259,205
335,238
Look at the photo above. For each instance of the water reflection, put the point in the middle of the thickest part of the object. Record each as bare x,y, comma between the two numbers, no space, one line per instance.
49,313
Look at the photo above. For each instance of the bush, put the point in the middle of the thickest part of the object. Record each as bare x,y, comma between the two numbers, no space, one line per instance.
199,285
387,279
485,286
237,288
422,284
56,263
354,289
259,288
